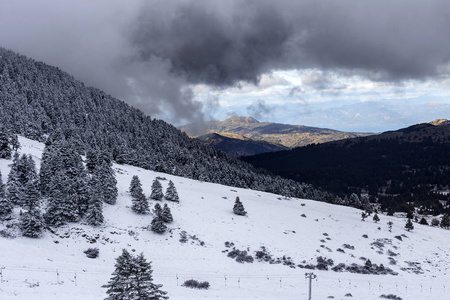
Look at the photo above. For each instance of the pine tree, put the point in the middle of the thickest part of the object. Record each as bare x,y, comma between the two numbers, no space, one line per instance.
390,225
171,193
157,225
376,219
133,280
31,223
108,182
157,210
363,216
445,221
238,208
145,289
135,187
139,201
14,190
157,190
91,161
94,214
5,204
31,195
409,225
423,221
166,215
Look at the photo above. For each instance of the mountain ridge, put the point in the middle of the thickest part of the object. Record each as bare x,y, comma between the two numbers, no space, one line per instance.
290,136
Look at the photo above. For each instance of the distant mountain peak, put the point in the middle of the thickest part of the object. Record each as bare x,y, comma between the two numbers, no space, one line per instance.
237,119
439,122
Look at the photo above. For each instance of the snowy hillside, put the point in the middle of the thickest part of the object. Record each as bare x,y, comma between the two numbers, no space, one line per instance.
293,231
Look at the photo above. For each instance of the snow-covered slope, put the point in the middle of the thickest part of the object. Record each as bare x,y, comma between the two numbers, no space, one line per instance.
55,267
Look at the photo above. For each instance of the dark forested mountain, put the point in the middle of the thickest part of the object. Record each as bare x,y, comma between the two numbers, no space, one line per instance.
237,146
287,135
42,102
396,167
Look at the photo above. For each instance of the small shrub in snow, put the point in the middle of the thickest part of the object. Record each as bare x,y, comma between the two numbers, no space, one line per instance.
435,222
194,284
347,246
340,250
398,238
303,215
323,263
92,252
348,295
365,236
183,237
240,256
391,296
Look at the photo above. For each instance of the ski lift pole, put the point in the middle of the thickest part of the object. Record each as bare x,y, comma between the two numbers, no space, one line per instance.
310,276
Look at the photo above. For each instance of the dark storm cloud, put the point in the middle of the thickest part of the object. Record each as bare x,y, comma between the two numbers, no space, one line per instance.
147,52
224,42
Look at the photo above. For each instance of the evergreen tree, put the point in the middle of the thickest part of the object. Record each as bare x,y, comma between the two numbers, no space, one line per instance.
390,225
409,225
423,221
139,201
445,221
62,203
108,182
171,193
145,289
376,219
238,208
157,190
5,204
31,195
14,190
157,225
31,223
91,161
2,187
157,210
135,187
166,215
94,214
5,149
363,216
133,280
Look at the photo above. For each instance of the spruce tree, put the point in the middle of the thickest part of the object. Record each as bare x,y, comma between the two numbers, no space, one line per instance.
5,204
108,182
14,190
94,214
157,210
445,221
139,201
145,289
133,280
376,219
157,225
135,188
390,225
171,193
238,208
409,225
31,223
31,195
157,190
166,215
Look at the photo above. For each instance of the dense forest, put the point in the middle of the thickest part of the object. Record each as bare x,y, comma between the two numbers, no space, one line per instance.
395,169
42,102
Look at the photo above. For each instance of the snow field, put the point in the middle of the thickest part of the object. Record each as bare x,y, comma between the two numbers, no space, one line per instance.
46,267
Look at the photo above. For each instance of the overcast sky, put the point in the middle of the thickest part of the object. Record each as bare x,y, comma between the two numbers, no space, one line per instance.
367,65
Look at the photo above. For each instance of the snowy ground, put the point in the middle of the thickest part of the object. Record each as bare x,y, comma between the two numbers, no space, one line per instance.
55,267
